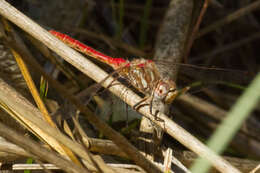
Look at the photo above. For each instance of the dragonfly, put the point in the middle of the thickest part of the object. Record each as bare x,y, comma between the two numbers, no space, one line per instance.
142,74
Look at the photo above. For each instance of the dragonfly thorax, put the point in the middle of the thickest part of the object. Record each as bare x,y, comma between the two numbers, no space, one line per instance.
144,76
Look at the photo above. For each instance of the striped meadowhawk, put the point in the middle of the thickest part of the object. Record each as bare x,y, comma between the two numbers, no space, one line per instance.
142,74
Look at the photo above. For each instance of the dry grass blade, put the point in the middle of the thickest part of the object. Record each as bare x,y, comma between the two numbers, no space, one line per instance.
239,13
84,139
118,167
12,149
84,65
26,74
168,160
47,53
244,165
119,140
17,167
195,30
217,113
16,104
91,117
40,152
117,43
128,96
29,125
96,145
232,46
255,169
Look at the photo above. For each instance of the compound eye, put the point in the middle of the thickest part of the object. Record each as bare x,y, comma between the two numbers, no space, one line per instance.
162,90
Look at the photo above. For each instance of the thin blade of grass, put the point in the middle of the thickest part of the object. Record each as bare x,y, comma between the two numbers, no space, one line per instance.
31,85
121,19
144,23
237,115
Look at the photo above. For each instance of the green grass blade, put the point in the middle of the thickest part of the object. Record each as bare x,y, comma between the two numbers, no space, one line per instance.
237,115
121,19
144,23
28,161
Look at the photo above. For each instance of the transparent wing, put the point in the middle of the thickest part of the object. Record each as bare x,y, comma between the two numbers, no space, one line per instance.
191,73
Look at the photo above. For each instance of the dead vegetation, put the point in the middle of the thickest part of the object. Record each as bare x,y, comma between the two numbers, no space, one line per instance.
53,125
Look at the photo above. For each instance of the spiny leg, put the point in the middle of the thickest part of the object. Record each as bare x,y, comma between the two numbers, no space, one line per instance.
115,78
116,71
156,117
139,104
112,82
151,105
151,109
181,91
92,91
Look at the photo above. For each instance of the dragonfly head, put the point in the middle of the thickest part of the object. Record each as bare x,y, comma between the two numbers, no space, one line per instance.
166,91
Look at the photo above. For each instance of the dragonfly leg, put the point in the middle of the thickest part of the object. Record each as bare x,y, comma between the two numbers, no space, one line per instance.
159,107
156,117
115,78
140,103
112,83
